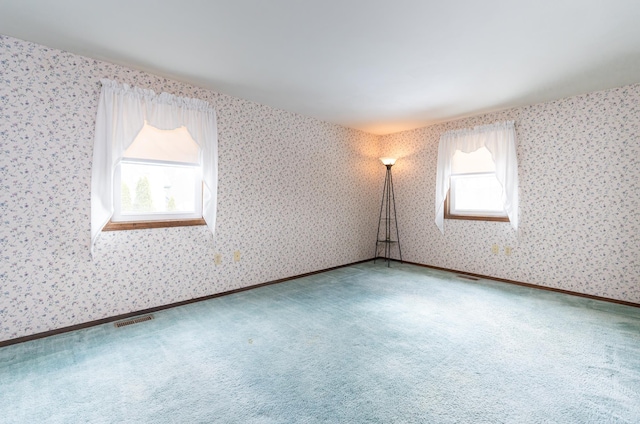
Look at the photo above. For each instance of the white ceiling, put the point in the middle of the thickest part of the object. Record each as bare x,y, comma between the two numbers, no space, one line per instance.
378,66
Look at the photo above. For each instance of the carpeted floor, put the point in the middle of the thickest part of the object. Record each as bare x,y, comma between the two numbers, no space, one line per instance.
362,344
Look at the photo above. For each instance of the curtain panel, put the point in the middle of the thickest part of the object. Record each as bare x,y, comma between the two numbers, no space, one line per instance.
122,112
500,140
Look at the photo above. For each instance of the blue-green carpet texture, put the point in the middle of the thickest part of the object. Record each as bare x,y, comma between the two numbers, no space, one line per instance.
361,344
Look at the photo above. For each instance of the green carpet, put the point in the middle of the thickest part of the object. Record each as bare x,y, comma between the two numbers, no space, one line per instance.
362,344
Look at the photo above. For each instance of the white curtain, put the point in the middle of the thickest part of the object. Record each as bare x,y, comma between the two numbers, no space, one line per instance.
500,140
122,112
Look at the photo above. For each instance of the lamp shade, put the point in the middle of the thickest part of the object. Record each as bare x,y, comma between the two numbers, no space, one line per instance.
388,161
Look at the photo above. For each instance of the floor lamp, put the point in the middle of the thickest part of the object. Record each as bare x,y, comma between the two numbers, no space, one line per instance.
388,199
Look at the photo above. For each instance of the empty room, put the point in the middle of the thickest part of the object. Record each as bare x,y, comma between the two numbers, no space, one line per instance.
319,212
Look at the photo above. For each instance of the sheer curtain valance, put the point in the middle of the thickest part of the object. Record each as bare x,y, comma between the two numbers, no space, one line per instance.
122,113
500,140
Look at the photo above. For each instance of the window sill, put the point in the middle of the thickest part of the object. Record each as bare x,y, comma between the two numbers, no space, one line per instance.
477,218
141,225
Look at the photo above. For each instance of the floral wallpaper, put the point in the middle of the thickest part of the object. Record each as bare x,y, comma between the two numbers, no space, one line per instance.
579,167
295,195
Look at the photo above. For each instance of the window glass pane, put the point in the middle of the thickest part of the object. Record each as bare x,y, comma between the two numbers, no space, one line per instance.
477,161
157,188
476,193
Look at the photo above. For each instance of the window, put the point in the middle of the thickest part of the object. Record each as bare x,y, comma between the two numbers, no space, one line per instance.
477,175
474,190
155,161
146,191
158,179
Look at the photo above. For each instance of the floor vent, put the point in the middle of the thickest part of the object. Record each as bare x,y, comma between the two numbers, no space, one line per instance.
468,277
133,321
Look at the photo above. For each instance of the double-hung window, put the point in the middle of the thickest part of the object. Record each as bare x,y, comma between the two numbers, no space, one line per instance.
155,161
159,178
477,175
474,190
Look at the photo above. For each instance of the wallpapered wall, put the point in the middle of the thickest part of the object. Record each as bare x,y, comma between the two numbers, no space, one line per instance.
579,167
295,195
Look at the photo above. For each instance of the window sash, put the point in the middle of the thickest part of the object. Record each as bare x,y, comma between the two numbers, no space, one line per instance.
120,216
454,210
